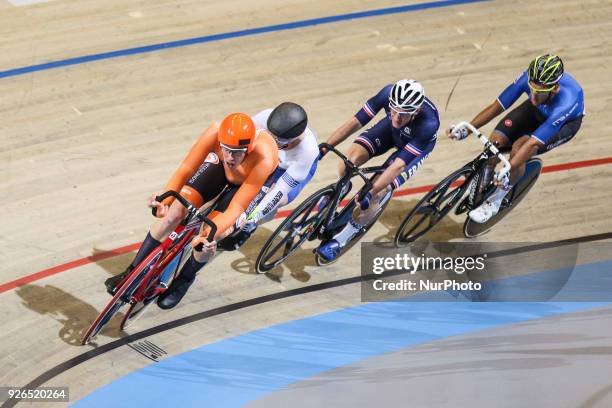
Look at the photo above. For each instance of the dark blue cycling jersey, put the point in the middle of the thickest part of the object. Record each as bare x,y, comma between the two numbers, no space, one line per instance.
566,105
413,138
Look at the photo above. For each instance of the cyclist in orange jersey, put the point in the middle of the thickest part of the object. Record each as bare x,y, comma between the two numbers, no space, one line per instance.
230,153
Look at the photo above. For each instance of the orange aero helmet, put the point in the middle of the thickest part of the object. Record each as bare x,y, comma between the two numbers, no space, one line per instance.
237,132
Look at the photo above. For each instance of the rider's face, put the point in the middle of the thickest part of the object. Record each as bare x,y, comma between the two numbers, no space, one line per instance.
400,118
233,158
540,94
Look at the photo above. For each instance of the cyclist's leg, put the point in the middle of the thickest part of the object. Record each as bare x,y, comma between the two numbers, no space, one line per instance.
521,121
373,142
197,191
235,239
292,195
370,143
207,182
365,217
179,287
268,185
564,135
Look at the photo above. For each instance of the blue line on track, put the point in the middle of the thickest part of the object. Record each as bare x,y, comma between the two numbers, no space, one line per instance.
233,34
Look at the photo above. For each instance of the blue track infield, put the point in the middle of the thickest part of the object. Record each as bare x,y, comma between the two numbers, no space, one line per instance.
234,371
233,34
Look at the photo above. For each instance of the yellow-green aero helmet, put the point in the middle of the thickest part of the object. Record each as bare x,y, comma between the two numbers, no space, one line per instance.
545,69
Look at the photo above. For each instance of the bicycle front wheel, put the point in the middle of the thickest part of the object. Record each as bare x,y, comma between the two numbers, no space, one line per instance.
123,295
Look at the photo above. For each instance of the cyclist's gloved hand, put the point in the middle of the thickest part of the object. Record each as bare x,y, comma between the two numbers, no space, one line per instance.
457,132
503,181
364,203
322,152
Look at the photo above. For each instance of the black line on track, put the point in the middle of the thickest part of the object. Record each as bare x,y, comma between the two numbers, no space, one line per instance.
99,350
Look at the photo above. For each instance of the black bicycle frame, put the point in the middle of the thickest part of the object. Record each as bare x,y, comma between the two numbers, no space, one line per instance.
353,171
473,180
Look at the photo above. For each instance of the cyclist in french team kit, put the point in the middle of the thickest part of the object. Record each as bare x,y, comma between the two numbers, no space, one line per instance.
298,153
551,116
229,154
410,126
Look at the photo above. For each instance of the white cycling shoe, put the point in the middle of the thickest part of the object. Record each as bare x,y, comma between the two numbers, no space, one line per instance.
485,212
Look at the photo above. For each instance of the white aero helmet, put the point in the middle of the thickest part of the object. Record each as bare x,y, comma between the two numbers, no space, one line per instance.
407,94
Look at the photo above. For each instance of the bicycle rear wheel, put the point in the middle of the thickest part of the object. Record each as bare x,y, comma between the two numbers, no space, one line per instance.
433,207
293,231
473,229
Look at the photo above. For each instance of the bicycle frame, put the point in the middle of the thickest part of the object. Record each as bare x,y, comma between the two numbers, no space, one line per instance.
479,162
353,171
175,242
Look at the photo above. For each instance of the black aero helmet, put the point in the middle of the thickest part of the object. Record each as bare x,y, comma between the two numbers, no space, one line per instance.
545,69
287,121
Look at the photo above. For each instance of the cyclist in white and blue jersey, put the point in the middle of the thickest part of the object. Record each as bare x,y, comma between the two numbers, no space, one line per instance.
551,116
298,152
410,126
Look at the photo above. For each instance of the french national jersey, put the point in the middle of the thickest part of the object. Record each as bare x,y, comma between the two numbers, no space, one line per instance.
413,137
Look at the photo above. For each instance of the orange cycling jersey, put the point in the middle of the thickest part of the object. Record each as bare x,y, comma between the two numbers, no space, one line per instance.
251,174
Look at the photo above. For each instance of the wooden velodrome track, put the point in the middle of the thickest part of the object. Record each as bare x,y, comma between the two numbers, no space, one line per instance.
84,145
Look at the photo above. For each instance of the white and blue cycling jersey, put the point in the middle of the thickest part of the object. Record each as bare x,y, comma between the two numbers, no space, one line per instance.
296,168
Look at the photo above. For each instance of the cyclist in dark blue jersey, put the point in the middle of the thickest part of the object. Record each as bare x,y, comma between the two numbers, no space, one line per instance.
410,126
551,116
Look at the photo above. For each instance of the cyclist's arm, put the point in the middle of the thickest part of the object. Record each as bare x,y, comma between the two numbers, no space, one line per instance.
388,176
487,114
348,128
503,101
245,194
397,173
205,144
362,117
525,152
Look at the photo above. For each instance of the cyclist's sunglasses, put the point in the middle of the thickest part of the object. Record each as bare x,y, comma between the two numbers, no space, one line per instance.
402,113
535,89
233,149
281,143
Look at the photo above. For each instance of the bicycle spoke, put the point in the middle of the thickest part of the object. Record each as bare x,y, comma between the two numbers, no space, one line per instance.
425,209
288,246
417,225
282,242
308,210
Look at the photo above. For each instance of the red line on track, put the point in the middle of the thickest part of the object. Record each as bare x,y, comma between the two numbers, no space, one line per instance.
128,248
